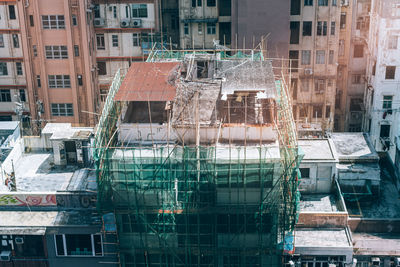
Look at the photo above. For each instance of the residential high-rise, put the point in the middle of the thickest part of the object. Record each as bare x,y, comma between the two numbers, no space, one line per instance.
13,93
382,96
353,47
124,32
57,41
313,54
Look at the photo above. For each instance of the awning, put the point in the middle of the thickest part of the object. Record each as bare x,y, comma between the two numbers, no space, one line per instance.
22,230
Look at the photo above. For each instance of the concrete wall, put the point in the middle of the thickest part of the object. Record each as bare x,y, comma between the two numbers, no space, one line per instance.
320,180
374,225
323,219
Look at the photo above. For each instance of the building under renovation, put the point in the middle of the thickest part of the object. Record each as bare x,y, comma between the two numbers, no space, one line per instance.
197,161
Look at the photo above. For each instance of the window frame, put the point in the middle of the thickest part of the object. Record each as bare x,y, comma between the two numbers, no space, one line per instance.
308,3
1,40
59,81
393,41
323,3
12,15
115,40
65,248
53,22
3,69
5,95
390,75
56,51
136,39
387,102
18,68
211,3
100,42
320,54
304,55
15,40
307,28
137,11
211,28
68,109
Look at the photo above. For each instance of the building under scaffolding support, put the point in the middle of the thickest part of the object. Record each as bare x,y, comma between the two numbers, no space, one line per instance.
197,158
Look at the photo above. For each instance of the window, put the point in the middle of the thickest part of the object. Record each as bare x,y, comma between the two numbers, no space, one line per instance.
308,2
327,111
31,22
294,60
96,10
103,95
62,109
200,28
100,43
22,95
5,95
3,69
319,86
211,28
306,57
304,85
385,131
186,28
294,32
193,3
320,57
392,44
76,50
390,72
199,2
333,27
331,57
53,22
322,2
295,7
1,40
74,20
114,40
356,104
56,52
80,80
115,12
387,101
322,28
38,81
307,28
102,68
34,48
305,172
356,78
15,40
358,51
317,111
59,81
18,67
341,48
334,2
139,10
11,12
78,245
343,20
135,39
211,2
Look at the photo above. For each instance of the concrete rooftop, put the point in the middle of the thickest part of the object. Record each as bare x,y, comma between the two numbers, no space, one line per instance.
318,203
317,149
319,238
354,146
379,244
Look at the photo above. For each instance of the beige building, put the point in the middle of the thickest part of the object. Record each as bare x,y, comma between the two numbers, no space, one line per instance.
13,94
354,28
61,80
314,26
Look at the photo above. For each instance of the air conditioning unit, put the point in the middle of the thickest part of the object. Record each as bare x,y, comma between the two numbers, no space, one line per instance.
125,23
5,256
376,261
136,23
308,71
19,240
99,22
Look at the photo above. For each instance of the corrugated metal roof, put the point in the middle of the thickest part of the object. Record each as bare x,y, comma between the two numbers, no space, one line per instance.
149,81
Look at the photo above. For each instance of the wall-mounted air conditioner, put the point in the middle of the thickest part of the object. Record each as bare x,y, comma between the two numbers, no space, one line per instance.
5,256
19,240
135,23
308,71
125,23
99,22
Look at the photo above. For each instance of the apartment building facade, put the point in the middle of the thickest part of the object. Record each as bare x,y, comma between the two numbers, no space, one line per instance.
383,80
13,94
353,42
57,41
313,54
124,32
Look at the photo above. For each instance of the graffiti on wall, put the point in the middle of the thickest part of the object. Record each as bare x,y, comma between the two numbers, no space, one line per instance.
28,200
